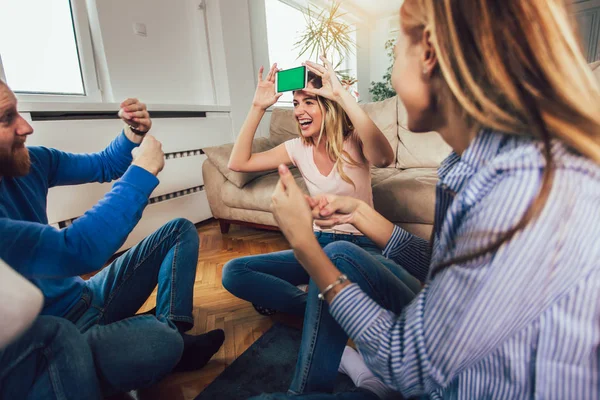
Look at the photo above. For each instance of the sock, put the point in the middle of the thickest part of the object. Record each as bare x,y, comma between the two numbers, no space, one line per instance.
354,366
198,350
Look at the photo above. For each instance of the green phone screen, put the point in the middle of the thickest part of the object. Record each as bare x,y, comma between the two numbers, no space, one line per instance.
291,79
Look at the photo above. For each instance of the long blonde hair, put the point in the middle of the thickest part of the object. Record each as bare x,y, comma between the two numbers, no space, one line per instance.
336,127
514,66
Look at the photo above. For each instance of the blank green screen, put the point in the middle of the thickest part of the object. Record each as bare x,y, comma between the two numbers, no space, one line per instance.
291,79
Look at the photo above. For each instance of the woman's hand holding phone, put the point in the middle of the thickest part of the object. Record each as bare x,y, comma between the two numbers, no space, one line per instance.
332,87
266,94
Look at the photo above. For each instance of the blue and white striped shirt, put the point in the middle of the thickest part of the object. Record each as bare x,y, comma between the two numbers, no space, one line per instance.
520,323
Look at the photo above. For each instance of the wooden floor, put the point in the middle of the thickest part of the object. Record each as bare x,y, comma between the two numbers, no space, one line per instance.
214,307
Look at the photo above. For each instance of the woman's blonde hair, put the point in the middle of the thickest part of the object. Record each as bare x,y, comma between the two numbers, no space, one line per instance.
514,66
336,127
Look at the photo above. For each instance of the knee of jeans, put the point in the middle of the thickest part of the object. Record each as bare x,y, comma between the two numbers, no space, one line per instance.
172,349
340,252
182,224
231,274
135,352
164,346
64,337
187,230
340,247
56,329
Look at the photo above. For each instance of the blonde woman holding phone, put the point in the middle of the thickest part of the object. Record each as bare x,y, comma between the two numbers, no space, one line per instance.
336,146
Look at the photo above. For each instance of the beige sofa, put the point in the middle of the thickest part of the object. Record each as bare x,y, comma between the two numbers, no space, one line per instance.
404,193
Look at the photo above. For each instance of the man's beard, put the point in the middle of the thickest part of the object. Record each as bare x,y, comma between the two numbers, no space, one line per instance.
15,163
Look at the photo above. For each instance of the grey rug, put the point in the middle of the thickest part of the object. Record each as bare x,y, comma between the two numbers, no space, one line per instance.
266,367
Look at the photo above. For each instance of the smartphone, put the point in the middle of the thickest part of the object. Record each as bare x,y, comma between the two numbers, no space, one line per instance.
291,79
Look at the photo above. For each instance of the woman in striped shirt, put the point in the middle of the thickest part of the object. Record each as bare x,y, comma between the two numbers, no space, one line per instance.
511,307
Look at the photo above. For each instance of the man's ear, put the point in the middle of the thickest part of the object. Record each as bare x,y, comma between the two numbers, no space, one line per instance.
429,56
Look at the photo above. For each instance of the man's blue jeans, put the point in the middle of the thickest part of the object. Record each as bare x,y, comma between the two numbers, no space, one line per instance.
323,340
135,351
52,360
270,280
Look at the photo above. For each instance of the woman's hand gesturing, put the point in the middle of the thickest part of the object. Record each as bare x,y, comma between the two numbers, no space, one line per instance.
266,94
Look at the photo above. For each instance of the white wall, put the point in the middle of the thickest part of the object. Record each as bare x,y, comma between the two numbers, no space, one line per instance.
260,52
169,66
363,61
237,42
212,17
384,28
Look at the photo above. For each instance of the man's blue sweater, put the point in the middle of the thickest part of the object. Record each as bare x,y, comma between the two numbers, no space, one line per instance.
54,258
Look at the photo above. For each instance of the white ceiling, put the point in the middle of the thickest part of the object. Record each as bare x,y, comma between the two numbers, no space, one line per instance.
377,8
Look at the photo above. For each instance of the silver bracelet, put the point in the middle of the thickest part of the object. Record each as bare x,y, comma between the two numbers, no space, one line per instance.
342,278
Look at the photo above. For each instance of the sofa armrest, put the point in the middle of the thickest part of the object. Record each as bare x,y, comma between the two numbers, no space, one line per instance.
213,186
219,156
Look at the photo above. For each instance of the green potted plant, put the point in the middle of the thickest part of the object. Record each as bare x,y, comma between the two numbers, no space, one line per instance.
327,33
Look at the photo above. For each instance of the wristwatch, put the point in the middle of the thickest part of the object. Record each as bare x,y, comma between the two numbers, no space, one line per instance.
136,131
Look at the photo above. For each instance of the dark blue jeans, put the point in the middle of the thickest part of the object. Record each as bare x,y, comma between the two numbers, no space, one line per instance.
323,340
135,351
52,360
270,280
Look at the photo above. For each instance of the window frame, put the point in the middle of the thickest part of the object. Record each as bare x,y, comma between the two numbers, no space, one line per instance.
83,41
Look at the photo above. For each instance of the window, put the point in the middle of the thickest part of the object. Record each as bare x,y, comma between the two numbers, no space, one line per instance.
284,26
41,51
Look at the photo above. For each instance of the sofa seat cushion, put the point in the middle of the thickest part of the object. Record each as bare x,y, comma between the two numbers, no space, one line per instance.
407,196
219,156
256,195
380,174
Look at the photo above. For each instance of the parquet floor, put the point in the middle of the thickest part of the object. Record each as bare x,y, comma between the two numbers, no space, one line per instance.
214,307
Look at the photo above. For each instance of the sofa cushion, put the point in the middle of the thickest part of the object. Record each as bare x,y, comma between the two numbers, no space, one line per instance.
283,126
380,174
383,113
219,156
407,196
418,150
256,195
